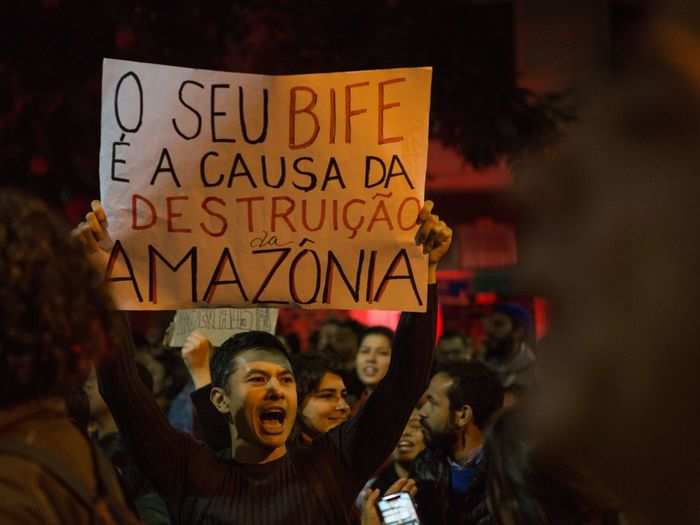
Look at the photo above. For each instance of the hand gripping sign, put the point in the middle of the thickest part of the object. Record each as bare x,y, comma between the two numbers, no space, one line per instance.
243,190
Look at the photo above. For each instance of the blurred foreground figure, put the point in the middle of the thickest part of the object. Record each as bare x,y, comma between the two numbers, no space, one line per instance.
524,490
55,315
612,239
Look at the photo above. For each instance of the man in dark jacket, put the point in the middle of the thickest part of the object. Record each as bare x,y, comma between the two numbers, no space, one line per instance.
460,401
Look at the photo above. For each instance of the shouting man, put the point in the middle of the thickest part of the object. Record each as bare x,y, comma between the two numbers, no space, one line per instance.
267,482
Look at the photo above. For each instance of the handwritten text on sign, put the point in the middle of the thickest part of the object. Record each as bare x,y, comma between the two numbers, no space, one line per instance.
218,324
233,189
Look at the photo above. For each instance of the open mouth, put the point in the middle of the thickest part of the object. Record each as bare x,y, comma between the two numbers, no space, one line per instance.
405,445
272,420
370,370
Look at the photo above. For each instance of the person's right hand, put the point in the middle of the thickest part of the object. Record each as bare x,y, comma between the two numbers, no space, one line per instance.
370,515
93,230
196,353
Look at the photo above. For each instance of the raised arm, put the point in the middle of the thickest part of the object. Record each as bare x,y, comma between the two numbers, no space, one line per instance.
196,353
160,451
368,438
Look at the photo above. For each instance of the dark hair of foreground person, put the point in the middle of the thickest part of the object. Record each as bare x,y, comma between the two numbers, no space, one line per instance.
52,303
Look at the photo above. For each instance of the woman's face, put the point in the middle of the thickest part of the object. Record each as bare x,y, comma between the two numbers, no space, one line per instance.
412,441
373,358
326,407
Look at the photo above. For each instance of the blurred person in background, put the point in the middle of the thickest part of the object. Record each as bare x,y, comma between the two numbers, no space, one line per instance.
456,409
291,341
340,339
507,349
610,236
159,376
373,357
152,334
137,489
181,411
454,346
55,321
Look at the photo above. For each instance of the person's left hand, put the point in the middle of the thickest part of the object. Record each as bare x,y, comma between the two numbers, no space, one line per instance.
370,514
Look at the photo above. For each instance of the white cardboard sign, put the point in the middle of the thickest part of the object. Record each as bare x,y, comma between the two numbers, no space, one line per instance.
244,190
218,324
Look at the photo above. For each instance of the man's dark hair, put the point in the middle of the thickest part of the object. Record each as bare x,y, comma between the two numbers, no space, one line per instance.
356,326
309,369
222,363
53,304
474,384
518,314
378,330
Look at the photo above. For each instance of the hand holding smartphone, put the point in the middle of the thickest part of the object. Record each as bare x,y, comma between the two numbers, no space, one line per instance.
398,509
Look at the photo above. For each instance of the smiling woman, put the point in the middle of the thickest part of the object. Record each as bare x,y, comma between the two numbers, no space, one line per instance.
322,395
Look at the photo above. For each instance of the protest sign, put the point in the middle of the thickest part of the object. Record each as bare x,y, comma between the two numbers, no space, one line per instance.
218,324
242,190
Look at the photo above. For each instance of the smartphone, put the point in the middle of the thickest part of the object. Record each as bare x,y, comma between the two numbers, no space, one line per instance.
398,509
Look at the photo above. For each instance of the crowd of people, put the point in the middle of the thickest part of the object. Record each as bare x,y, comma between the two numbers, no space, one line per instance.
594,426
257,434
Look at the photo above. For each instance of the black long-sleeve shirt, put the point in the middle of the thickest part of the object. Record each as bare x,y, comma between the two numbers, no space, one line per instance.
313,485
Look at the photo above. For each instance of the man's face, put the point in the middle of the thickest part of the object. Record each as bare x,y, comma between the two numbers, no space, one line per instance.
373,359
342,339
326,407
262,397
435,413
452,345
499,335
454,349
